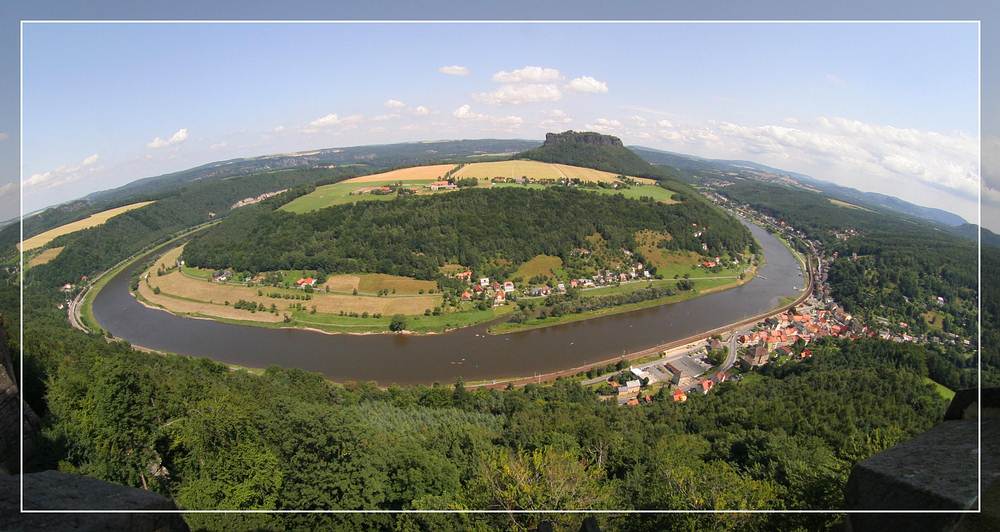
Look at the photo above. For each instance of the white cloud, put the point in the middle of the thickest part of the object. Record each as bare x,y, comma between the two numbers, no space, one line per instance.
638,120
528,74
394,104
420,110
326,120
587,84
454,70
279,129
555,118
383,118
178,137
7,188
518,94
218,145
62,175
333,119
664,123
917,165
604,125
465,112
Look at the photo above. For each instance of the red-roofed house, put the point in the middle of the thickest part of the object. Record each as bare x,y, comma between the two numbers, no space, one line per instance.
680,396
305,281
706,385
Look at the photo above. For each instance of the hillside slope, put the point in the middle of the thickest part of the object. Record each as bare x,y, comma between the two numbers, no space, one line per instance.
696,169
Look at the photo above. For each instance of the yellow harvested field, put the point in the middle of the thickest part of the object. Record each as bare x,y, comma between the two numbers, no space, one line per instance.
45,256
183,294
536,170
846,205
93,220
219,310
342,283
373,282
416,173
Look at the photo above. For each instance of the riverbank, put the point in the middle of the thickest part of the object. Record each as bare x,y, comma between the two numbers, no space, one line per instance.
510,327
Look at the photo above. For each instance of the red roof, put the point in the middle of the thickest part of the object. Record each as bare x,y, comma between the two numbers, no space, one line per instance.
305,280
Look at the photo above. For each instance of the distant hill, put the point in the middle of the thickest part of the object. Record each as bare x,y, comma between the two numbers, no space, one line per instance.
970,231
594,150
695,169
376,157
363,159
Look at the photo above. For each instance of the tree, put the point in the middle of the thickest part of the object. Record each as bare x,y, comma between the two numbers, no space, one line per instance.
398,323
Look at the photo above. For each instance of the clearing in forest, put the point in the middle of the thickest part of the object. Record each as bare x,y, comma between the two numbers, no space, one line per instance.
539,265
46,256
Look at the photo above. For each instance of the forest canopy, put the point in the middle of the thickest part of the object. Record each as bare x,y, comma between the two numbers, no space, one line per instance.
415,236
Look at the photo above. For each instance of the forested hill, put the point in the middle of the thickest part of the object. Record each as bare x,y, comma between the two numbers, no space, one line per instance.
593,150
414,236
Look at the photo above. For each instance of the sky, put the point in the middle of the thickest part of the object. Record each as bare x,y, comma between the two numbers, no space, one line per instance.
890,108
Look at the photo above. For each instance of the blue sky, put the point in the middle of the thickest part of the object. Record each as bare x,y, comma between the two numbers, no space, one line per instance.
846,102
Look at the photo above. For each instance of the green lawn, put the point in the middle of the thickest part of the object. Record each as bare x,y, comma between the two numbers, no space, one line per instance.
941,389
547,265
656,192
340,193
419,324
627,288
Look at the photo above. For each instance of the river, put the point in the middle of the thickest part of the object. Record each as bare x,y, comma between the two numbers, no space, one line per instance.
469,353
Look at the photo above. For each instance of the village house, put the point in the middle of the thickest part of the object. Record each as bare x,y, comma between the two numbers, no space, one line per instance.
441,185
305,282
484,282
680,396
756,357
508,287
464,276
629,391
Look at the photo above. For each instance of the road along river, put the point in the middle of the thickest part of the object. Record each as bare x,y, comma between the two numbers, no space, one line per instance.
469,353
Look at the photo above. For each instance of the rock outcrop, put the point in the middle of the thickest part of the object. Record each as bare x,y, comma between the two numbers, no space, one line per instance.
53,490
10,415
581,137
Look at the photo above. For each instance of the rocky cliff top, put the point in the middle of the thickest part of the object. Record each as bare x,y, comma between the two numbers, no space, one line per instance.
581,137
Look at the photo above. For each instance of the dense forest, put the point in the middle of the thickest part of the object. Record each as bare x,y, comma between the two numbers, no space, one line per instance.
414,236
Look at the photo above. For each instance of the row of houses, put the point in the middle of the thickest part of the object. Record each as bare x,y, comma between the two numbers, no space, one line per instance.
485,287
